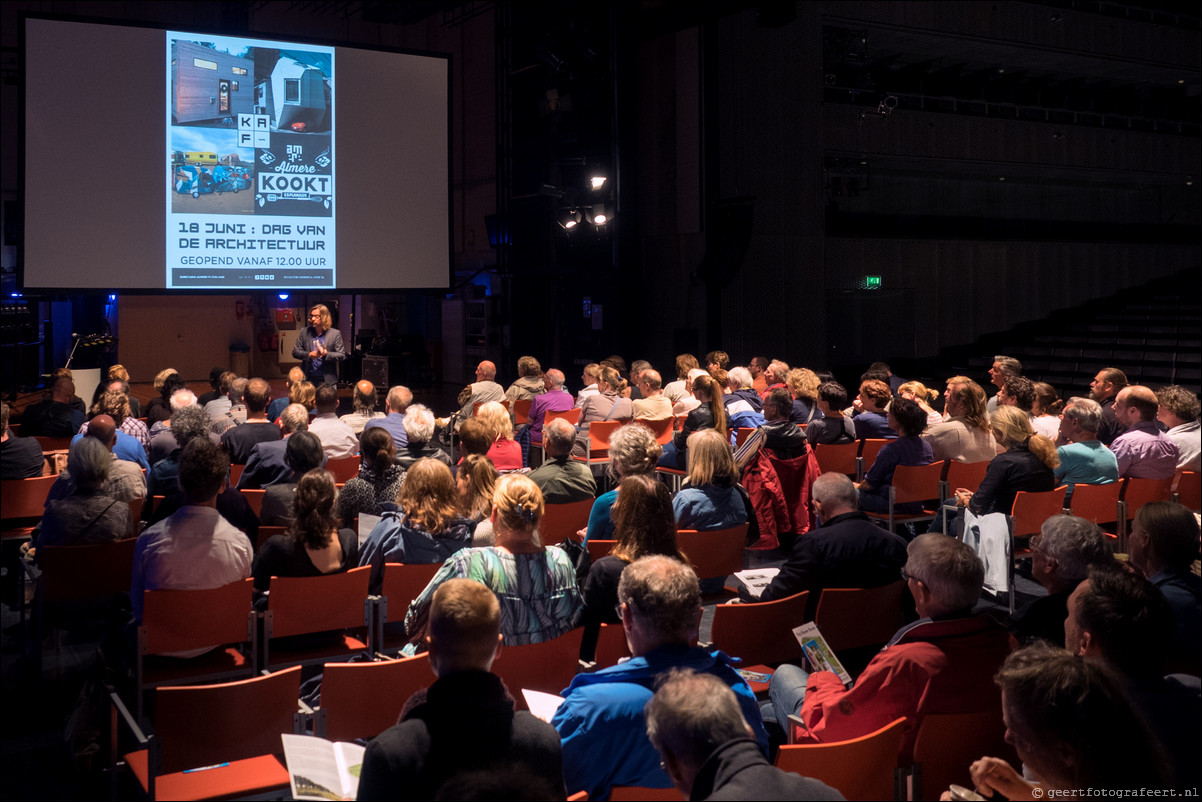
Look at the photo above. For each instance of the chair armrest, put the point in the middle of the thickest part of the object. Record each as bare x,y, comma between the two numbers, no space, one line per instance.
119,714
794,721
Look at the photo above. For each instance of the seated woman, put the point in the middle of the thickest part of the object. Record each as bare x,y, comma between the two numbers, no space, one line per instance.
313,545
475,484
909,420
710,414
632,450
379,477
711,500
803,385
87,517
302,454
1045,412
1028,463
643,524
871,421
607,404
428,527
505,452
832,426
920,394
536,585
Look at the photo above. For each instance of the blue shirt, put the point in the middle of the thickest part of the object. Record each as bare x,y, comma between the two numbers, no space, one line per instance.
600,527
708,508
874,425
393,424
1088,463
127,448
902,451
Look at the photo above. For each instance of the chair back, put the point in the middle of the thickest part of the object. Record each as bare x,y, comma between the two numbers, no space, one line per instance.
521,411
1189,489
599,432
181,620
1097,503
572,416
741,435
861,768
49,444
236,470
80,573
946,744
344,468
837,458
548,666
301,605
561,521
717,553
761,632
611,645
917,482
853,617
402,584
476,406
361,700
255,499
207,725
965,474
599,548
662,429
1030,510
24,498
266,533
872,447
678,422
1138,492
637,793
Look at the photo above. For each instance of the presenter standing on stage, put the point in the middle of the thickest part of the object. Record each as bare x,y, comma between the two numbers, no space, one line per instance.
320,347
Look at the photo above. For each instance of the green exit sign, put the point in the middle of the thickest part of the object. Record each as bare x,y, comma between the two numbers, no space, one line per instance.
872,282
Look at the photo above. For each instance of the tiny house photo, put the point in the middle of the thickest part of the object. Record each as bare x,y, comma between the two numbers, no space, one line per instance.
209,86
297,96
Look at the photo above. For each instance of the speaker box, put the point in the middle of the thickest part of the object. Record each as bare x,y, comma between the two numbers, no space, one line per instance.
375,370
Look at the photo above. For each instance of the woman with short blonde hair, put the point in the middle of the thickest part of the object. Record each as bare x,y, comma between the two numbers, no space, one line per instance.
505,452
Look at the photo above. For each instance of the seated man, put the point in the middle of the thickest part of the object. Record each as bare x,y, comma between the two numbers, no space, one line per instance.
266,465
1120,620
364,402
125,481
467,704
1003,369
481,391
54,417
562,479
238,441
1061,555
601,719
942,663
709,750
20,457
337,439
1083,458
652,404
398,400
194,548
1142,451
847,551
1178,410
785,439
1163,545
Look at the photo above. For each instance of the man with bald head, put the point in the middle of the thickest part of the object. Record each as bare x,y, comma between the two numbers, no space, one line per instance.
553,399
398,400
125,481
481,391
364,401
1143,451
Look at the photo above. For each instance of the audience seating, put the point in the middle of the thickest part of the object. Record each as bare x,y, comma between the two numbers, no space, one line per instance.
663,429
741,435
863,768
947,744
913,483
611,646
572,416
1137,493
838,458
871,447
959,474
236,473
361,700
850,618
343,468
1026,518
402,584
596,451
675,477
760,633
561,521
185,620
50,444
634,793
548,666
24,500
599,548
1189,490
719,553
266,533
476,406
521,411
313,605
232,730
255,499
1098,503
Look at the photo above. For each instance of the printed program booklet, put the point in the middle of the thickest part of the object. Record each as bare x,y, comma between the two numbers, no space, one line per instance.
818,652
320,769
756,579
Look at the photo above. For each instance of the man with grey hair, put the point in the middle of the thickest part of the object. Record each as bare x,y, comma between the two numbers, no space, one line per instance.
1061,555
1003,368
88,516
637,368
20,457
364,402
601,719
268,464
398,400
774,375
419,425
651,404
744,407
1083,458
554,399
562,479
847,551
125,480
162,442
942,663
708,749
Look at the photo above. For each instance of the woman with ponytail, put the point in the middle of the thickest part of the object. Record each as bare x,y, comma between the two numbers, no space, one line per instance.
607,404
1027,464
379,477
711,414
535,584
313,545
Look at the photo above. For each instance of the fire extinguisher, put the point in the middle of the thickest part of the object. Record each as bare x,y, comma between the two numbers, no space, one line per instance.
269,340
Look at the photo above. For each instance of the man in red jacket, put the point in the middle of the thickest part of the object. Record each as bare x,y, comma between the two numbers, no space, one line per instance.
942,663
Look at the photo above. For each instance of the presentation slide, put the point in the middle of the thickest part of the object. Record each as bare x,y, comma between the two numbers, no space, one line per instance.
182,160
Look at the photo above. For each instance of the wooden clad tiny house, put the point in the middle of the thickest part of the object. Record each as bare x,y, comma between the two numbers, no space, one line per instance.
208,84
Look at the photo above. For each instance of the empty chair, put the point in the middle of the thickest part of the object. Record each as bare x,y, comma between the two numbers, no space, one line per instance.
255,499
561,521
313,605
861,768
716,553
662,429
24,501
343,468
596,451
599,548
1098,503
913,484
1189,489
760,633
868,454
838,457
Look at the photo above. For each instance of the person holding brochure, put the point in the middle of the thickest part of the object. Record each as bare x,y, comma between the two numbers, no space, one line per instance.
320,347
465,721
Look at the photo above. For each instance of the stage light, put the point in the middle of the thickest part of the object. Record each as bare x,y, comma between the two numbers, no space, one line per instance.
597,181
112,296
600,215
569,219
283,296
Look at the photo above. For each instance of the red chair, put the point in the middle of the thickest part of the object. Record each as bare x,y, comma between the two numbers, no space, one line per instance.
717,553
741,435
596,452
1098,503
476,406
521,411
343,468
663,429
851,618
868,453
760,633
957,474
236,473
266,533
838,458
1137,493
361,700
860,768
310,605
548,666
913,484
255,499
1189,489
572,416
402,584
215,741
24,500
611,646
1027,514
561,521
52,444
946,744
599,548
